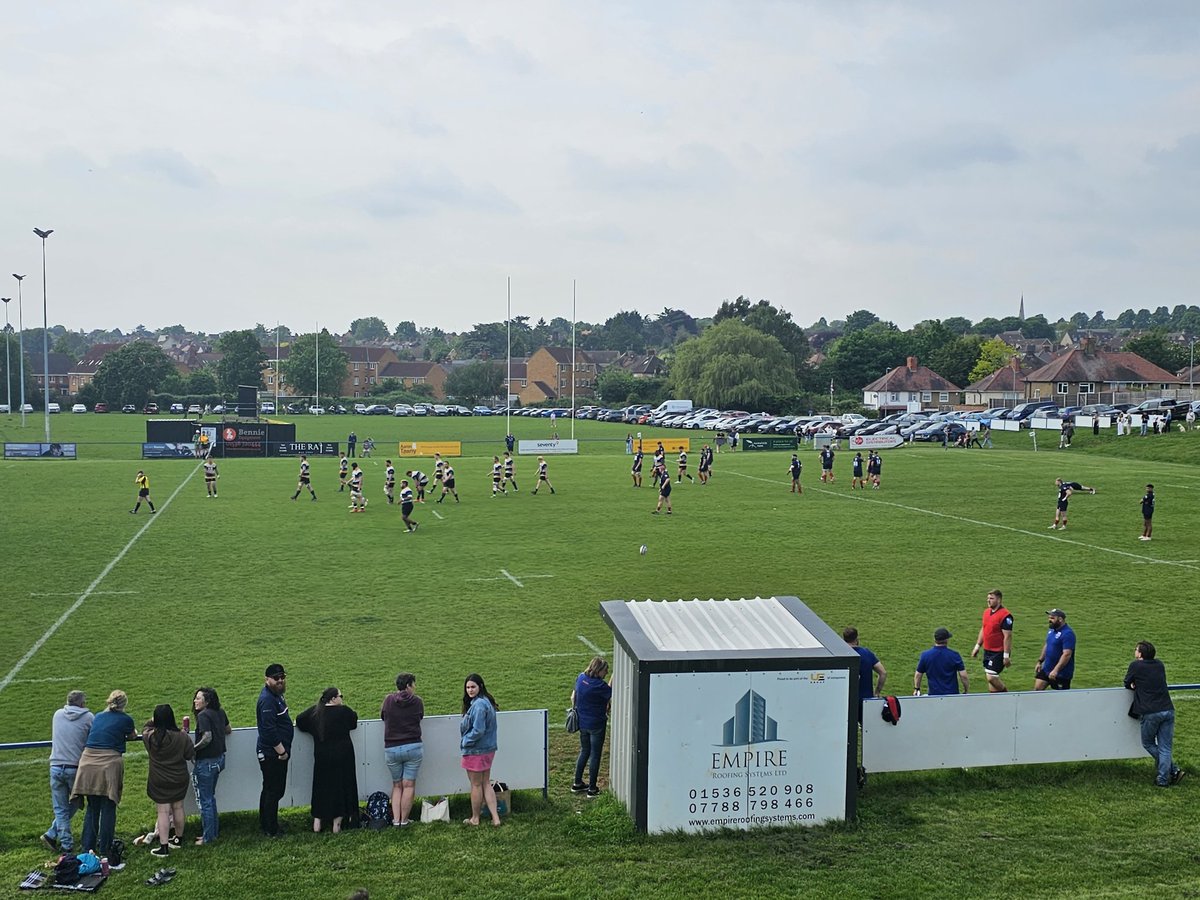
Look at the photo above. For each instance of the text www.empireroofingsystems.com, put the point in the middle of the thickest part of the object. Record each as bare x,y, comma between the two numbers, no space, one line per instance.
774,819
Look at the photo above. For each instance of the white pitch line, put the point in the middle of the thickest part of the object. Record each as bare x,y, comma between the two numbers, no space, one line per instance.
506,574
590,645
436,513
1185,487
4,682
45,680
1036,534
576,653
76,593
25,762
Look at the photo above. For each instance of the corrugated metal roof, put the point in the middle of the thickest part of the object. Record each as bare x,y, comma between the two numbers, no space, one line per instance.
755,624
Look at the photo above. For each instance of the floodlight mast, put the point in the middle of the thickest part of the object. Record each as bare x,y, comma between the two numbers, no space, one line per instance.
43,234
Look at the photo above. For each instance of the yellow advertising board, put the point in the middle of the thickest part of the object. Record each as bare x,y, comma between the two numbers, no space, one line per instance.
428,448
670,445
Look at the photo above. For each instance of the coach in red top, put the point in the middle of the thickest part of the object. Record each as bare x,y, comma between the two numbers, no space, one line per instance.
995,638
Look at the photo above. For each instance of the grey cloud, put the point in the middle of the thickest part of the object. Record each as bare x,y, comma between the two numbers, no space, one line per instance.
167,164
448,44
1182,157
694,166
405,195
953,149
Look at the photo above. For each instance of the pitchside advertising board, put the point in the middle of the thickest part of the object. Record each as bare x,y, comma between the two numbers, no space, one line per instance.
747,749
546,448
670,445
307,448
769,442
428,448
875,441
39,451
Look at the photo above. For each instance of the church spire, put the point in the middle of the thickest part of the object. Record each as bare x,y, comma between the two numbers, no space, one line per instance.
1021,313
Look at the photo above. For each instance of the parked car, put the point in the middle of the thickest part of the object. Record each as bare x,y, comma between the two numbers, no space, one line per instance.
402,409
935,431
267,408
128,408
26,407
194,409
1157,405
337,409
100,407
79,408
1098,409
54,408
481,411
316,411
360,409
1023,412
378,409
420,409
177,408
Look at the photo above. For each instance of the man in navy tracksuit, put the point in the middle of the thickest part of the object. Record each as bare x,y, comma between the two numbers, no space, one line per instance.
274,747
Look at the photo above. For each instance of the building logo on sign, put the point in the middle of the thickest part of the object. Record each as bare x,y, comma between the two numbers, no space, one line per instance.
750,723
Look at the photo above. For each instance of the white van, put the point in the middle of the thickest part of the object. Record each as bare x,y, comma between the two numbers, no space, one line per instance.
672,408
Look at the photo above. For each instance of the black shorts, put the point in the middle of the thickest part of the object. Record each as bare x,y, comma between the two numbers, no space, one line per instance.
1060,685
665,490
542,476
304,479
448,483
993,662
1062,505
210,479
144,492
406,508
825,468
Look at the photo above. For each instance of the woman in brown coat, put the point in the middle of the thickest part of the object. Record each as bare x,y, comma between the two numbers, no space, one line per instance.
169,750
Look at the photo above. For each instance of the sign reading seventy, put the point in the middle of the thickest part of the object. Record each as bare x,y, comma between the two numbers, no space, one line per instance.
428,448
769,442
546,447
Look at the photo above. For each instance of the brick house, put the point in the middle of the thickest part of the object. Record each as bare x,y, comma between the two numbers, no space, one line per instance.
364,368
412,373
548,374
1004,387
910,386
1079,377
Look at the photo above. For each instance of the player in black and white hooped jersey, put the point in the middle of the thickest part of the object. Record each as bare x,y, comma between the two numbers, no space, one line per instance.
439,467
541,476
683,472
358,503
210,477
305,481
406,506
343,472
389,482
706,462
509,463
448,483
497,477
420,481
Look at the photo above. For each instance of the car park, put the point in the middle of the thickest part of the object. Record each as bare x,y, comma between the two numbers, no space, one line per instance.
1098,409
177,408
79,408
936,431
100,407
360,409
1157,405
128,408
26,407
194,409
316,411
54,408
267,408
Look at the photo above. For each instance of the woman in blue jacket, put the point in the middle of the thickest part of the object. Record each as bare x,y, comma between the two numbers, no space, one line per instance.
478,746
591,698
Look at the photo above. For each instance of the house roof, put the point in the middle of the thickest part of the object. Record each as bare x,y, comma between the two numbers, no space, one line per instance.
1100,366
1005,379
911,377
604,357
408,369
562,355
57,363
365,354
545,389
519,370
93,356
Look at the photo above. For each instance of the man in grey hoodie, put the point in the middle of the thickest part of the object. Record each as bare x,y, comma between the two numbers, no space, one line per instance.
69,733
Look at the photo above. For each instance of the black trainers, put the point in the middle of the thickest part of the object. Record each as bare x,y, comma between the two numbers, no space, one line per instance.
49,842
1177,776
161,850
592,793
578,788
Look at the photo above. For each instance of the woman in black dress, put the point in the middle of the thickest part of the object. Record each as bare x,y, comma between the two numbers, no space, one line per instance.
335,782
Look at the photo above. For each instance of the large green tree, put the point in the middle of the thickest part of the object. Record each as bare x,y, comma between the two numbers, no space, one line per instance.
859,357
993,354
370,329
732,365
614,385
300,368
476,381
767,319
130,374
1154,346
624,331
241,362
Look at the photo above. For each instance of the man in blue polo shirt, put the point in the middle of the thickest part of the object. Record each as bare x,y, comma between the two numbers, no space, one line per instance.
869,666
941,664
1056,665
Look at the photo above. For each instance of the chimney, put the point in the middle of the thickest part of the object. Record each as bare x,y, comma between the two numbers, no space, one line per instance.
1014,363
911,362
1086,345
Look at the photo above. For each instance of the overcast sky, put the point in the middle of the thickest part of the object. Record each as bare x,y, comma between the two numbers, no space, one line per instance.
220,164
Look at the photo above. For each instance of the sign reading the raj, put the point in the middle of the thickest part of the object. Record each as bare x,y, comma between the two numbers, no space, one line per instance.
428,448
747,749
545,448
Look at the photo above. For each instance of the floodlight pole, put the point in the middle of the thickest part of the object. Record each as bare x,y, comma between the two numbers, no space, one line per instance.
573,366
7,364
508,350
21,344
277,368
43,234
317,367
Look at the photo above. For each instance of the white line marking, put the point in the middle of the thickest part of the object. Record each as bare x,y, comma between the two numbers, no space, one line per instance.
1185,487
590,645
577,653
45,680
505,573
436,513
25,762
4,682
504,578
940,515
76,593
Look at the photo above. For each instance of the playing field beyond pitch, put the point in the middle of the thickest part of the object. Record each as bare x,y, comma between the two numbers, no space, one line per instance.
210,591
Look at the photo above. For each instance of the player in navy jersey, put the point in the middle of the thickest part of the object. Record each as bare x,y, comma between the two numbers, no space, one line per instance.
508,471
448,483
636,471
406,506
1060,508
664,492
541,474
343,472
358,503
857,478
389,482
794,469
497,477
874,468
827,457
706,461
305,479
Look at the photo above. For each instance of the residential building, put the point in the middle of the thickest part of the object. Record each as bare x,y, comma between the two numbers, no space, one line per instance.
549,372
1088,375
59,364
83,371
910,387
364,367
412,373
1004,387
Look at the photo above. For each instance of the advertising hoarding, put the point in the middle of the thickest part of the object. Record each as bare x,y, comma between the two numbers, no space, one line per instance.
243,439
428,448
874,441
306,448
769,442
165,450
546,448
39,451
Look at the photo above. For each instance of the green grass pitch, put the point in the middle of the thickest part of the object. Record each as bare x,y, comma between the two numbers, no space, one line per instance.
213,590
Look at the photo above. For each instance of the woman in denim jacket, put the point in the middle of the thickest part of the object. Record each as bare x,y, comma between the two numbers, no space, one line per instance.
478,746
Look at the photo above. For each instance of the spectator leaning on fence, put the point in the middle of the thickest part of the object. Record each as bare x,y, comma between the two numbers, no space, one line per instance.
69,732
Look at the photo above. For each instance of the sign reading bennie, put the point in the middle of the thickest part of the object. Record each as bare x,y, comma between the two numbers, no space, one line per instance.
746,749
